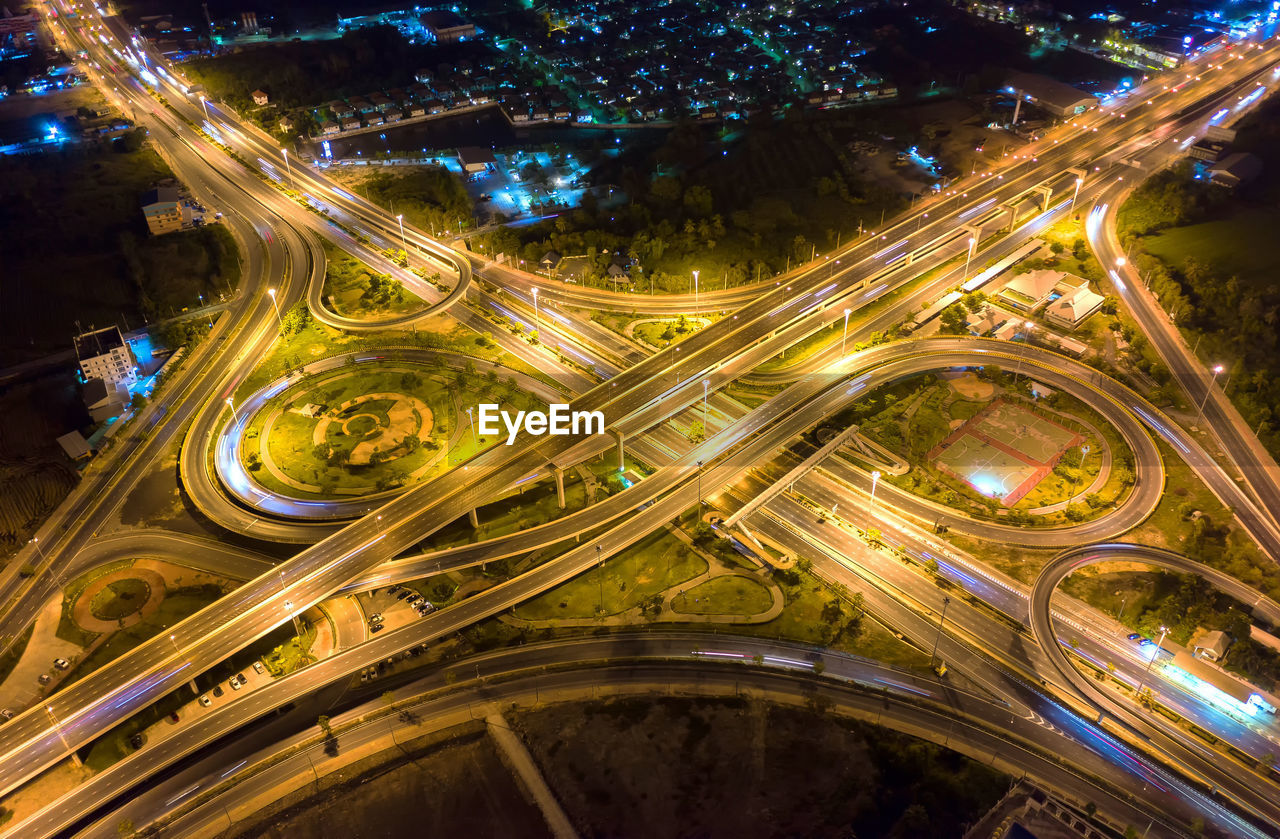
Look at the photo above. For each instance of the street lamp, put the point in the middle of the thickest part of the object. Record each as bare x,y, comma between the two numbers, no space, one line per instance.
1217,368
472,417
400,218
1079,181
270,293
875,479
1121,262
287,167
946,601
204,104
600,576
973,240
705,382
297,627
173,639
537,317
235,419
695,291
845,336
699,490
1164,630
57,726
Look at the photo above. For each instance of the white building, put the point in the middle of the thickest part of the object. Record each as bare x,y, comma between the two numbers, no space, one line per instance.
105,355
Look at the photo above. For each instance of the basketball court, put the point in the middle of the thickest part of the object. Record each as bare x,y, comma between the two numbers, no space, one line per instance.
1004,450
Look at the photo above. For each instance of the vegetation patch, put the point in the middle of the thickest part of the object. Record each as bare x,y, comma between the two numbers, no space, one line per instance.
120,599
731,594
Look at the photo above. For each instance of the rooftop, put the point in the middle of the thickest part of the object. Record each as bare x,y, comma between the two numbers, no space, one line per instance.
100,342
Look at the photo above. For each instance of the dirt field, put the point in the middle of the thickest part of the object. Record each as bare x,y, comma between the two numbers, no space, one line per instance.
712,769
458,789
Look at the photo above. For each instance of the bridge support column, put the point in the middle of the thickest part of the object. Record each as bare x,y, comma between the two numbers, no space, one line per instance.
1013,217
559,473
1046,195
473,518
622,452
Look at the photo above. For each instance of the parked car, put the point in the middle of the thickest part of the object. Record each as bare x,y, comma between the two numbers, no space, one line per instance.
61,663
44,679
6,715
375,628
404,595
138,740
376,617
259,667
217,690
173,716
234,682
241,677
205,700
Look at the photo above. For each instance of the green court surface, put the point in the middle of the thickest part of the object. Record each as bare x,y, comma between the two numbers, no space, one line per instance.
1035,437
984,467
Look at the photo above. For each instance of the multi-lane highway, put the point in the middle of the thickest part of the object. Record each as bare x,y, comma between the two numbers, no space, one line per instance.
638,397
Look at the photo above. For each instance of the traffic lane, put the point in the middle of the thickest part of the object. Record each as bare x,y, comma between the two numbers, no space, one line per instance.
850,682
1173,795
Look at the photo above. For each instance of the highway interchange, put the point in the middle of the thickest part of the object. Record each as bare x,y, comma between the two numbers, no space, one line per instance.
638,392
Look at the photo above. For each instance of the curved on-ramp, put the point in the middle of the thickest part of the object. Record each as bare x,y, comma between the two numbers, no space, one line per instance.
1153,727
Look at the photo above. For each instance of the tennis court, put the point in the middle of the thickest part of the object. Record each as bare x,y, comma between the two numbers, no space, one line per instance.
990,471
1003,451
1038,438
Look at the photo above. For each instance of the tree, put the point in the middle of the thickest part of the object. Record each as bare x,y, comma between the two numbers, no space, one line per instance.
323,722
1057,248
953,320
124,827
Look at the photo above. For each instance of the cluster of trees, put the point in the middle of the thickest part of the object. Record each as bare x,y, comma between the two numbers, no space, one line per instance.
176,271
304,74
381,290
431,197
1195,603
1233,318
736,213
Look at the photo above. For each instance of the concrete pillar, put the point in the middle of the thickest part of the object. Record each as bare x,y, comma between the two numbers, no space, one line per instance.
1046,195
1013,216
559,473
622,453
473,518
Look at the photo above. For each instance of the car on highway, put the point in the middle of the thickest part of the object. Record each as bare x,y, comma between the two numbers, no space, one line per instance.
1134,636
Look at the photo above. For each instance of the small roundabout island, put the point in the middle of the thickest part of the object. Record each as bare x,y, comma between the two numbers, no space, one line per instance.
994,445
346,433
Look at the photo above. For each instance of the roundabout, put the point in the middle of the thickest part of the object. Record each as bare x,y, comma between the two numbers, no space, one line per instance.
344,434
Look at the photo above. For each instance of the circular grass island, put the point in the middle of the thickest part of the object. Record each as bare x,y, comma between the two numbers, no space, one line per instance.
360,430
995,445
